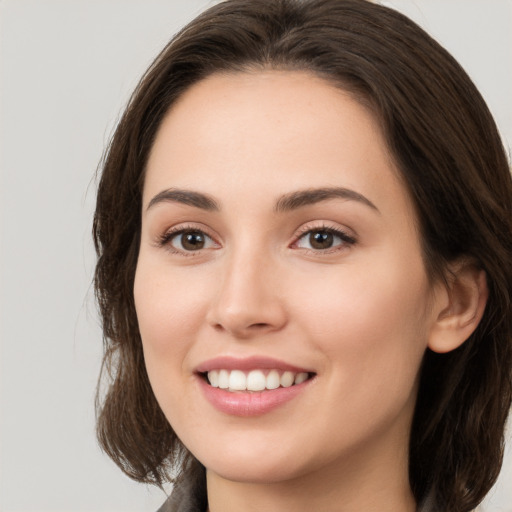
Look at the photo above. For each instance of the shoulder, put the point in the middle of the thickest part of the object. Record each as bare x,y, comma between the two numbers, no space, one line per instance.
179,501
188,495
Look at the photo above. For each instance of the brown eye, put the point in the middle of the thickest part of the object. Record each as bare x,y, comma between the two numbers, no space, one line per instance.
321,239
191,240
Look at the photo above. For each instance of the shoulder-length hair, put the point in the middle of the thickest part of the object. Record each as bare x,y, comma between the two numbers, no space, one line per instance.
450,156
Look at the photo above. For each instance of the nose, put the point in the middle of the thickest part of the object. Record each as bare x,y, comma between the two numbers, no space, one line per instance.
249,300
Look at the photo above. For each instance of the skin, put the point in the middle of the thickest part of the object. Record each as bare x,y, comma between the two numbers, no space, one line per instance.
360,315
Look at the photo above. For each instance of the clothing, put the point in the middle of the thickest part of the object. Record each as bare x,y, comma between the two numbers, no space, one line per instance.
188,495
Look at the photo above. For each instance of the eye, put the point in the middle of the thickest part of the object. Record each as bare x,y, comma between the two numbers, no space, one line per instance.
187,240
322,239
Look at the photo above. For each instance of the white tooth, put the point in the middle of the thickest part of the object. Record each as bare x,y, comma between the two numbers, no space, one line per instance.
223,379
213,378
256,380
237,380
301,377
287,379
273,380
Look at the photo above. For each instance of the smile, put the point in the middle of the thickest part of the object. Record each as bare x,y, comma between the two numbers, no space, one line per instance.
251,386
255,380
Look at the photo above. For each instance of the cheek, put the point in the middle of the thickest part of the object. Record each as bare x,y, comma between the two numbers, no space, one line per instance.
369,322
370,327
168,306
168,311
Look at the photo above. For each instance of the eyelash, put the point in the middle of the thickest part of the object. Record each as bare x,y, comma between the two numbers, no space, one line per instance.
166,238
346,239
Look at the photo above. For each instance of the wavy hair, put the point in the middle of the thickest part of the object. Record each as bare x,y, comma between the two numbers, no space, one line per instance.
452,161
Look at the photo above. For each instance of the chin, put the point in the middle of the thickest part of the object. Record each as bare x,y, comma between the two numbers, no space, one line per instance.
252,463
248,472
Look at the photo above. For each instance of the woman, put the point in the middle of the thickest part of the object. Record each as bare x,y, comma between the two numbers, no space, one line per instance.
304,231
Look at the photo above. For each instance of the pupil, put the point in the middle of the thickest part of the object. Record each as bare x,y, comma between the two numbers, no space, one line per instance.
321,240
192,241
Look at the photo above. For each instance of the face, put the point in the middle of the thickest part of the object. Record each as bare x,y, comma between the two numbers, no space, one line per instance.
280,290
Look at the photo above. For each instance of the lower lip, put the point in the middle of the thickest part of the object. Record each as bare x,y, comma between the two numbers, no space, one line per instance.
255,403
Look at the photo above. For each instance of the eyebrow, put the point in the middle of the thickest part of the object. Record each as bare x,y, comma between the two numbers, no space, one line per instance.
188,197
287,202
306,197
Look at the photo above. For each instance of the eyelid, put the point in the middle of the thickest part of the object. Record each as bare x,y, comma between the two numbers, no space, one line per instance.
164,240
347,236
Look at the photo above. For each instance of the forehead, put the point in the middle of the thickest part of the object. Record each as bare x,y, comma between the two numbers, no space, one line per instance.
268,132
261,106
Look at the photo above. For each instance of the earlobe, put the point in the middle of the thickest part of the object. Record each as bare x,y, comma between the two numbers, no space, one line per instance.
461,309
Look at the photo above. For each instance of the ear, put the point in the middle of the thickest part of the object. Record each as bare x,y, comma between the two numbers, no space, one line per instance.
459,307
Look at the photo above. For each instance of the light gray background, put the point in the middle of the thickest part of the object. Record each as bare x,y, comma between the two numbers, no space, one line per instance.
67,68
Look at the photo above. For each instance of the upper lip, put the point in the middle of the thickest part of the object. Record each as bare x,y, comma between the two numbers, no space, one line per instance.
247,364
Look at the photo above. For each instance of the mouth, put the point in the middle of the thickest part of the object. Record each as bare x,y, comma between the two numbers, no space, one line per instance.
252,386
256,380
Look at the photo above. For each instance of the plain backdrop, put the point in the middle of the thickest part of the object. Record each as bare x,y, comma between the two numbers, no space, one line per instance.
66,70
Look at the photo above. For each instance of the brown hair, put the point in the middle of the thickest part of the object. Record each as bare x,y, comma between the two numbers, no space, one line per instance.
450,155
